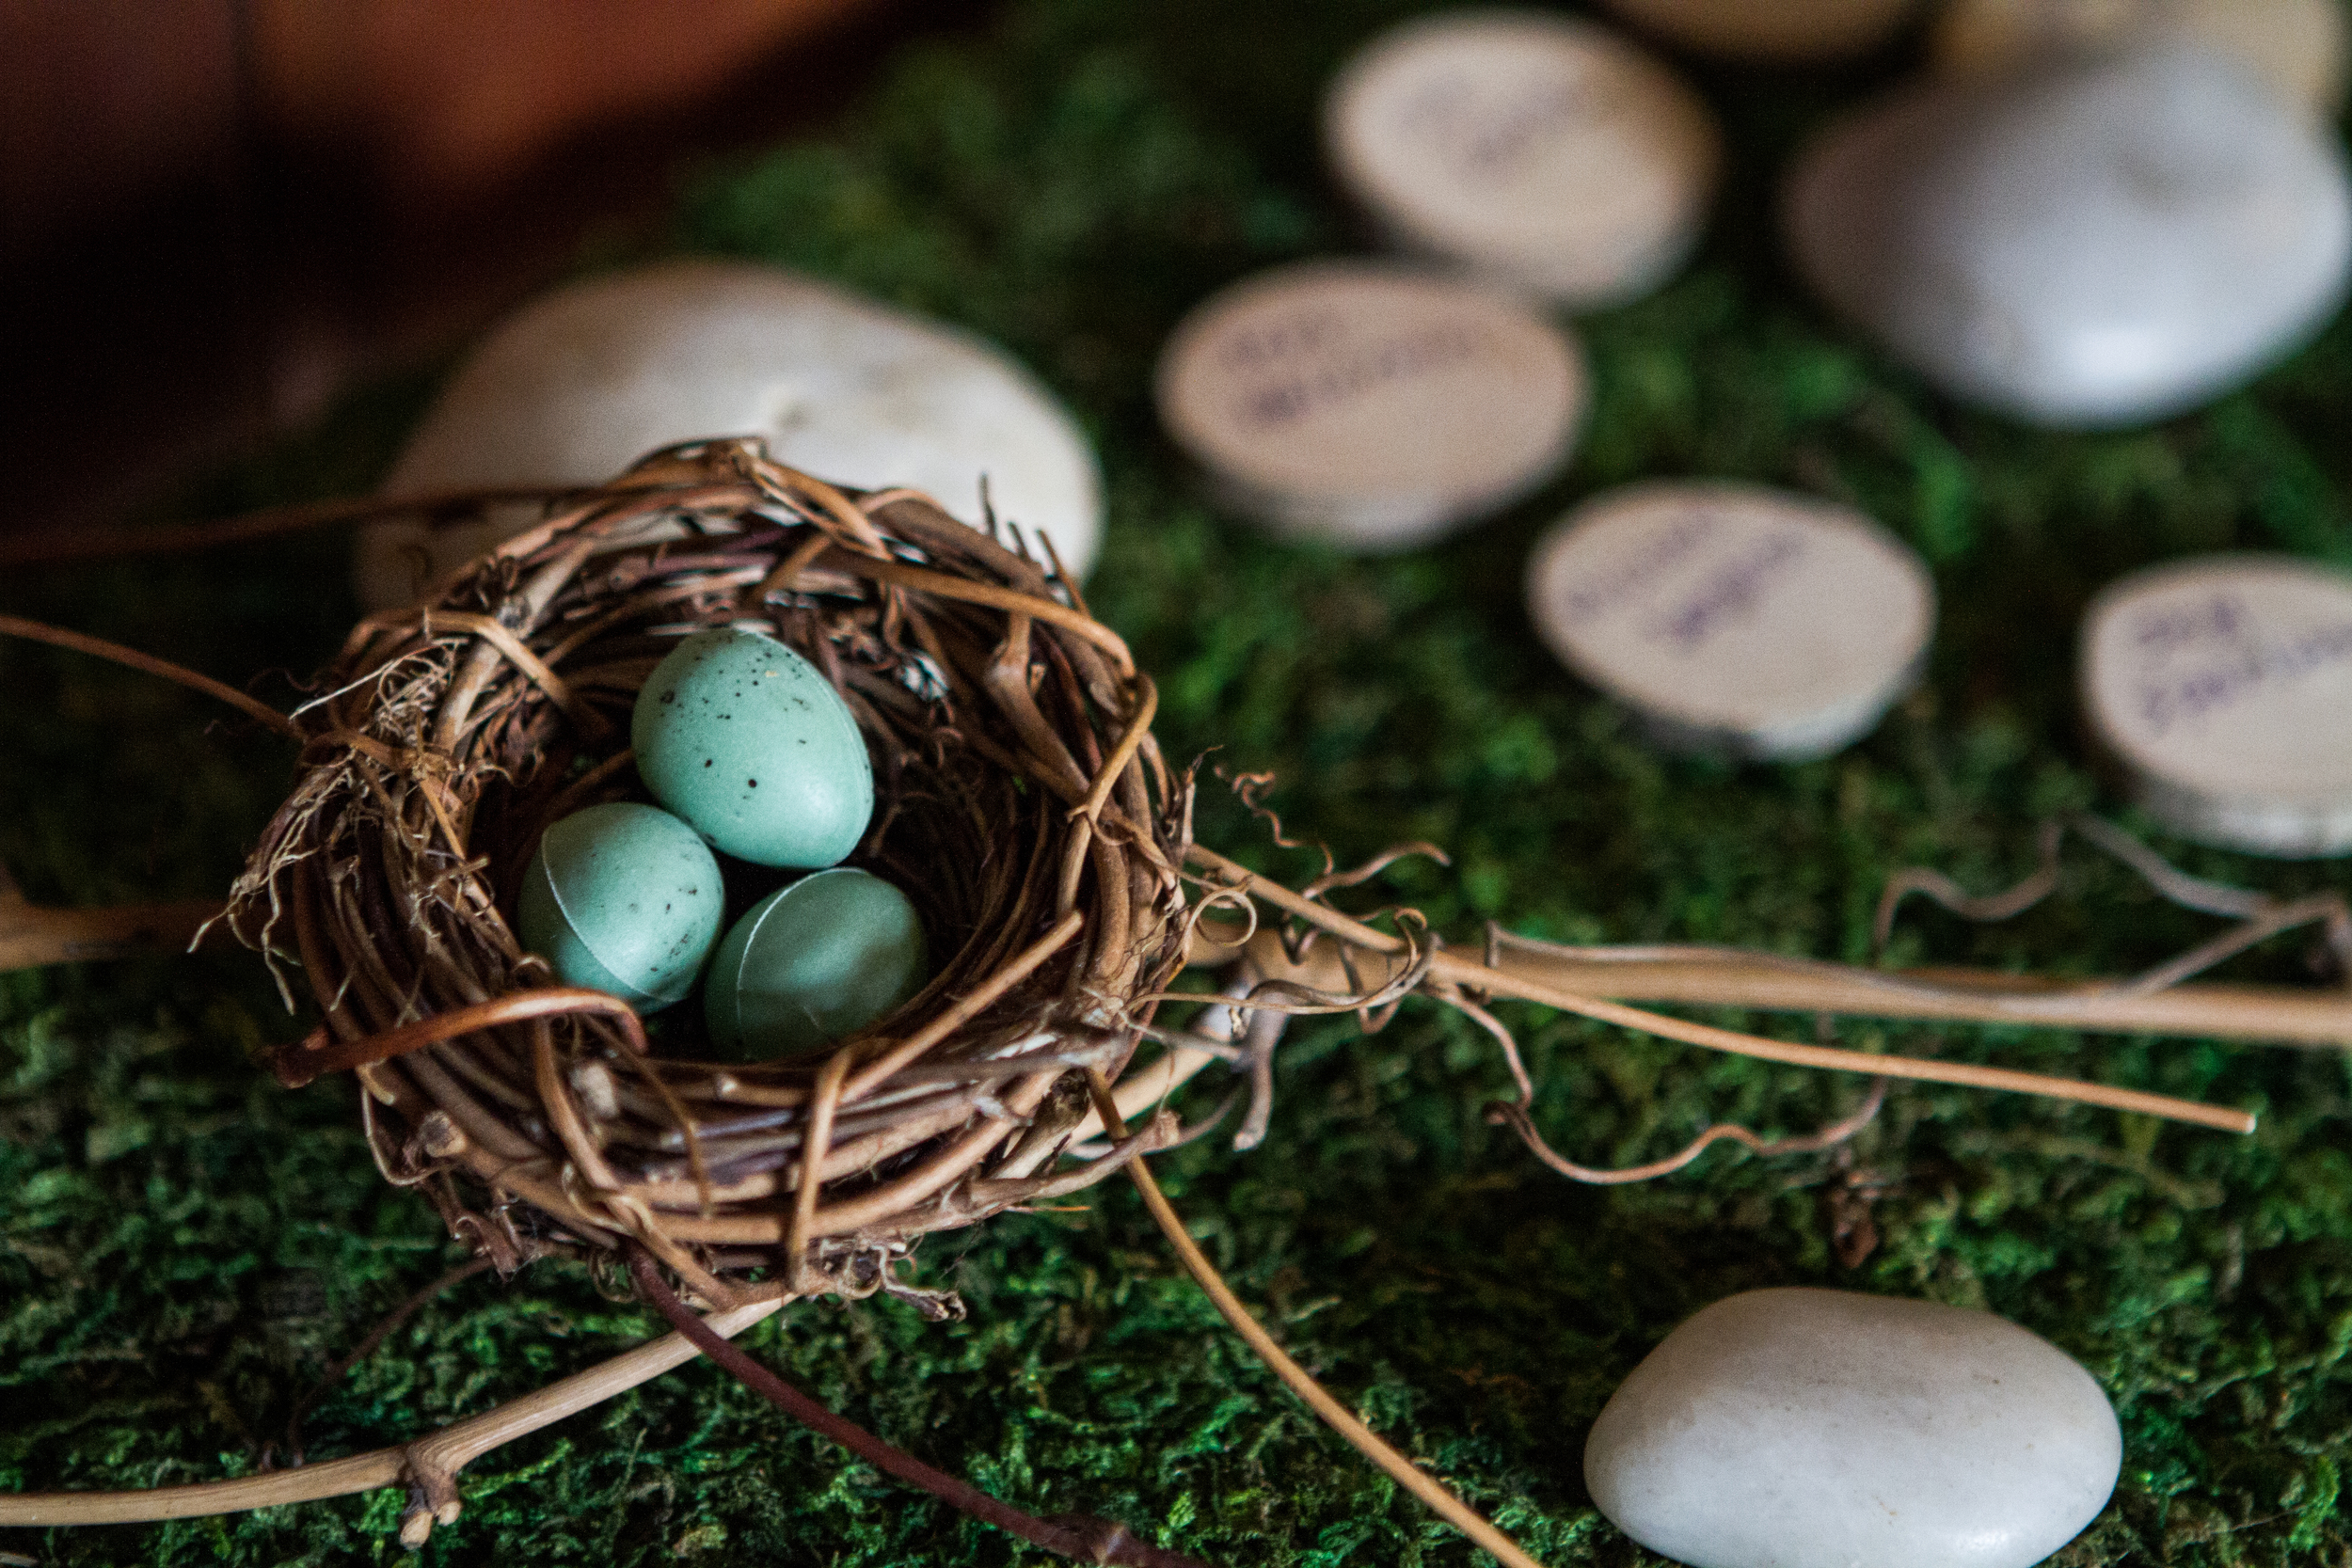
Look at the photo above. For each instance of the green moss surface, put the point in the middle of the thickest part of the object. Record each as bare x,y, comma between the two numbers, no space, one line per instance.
184,1248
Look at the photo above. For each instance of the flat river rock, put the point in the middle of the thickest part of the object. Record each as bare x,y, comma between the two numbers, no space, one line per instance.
1826,1429
2091,244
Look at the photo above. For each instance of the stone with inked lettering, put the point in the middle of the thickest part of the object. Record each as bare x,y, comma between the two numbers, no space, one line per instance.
2094,245
1802,1428
1545,151
2223,684
576,386
1785,31
2297,46
1371,405
1734,618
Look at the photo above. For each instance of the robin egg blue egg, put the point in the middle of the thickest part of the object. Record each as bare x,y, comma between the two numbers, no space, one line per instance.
624,898
745,740
813,962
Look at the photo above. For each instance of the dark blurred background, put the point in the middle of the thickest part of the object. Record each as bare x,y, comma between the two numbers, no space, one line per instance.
216,215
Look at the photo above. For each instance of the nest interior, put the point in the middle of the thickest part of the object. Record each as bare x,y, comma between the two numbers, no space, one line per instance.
1022,803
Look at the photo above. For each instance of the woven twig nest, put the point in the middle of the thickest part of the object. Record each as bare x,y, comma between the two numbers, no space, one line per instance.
1020,804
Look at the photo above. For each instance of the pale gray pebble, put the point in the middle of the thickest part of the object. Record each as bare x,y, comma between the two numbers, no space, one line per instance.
1826,1429
577,385
2093,245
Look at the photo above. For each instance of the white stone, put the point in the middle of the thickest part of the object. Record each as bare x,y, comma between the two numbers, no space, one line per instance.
2224,685
576,386
1733,617
1787,31
2099,244
1546,150
1825,1429
2298,46
1372,405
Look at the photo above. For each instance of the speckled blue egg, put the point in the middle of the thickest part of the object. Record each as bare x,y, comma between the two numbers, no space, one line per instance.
624,898
743,738
813,962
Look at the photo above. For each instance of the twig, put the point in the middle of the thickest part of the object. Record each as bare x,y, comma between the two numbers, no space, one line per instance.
32,937
1697,974
429,1465
1087,1541
1340,1420
1514,1116
1729,977
1479,980
367,1347
98,647
319,1053
2260,915
81,544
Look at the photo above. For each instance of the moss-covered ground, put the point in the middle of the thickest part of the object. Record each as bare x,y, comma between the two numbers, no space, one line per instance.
184,1246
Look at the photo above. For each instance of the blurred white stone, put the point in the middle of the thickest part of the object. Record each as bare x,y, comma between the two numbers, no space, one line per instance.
2298,46
2103,244
574,387
1825,1429
1546,150
1787,31
2223,684
1734,618
1371,405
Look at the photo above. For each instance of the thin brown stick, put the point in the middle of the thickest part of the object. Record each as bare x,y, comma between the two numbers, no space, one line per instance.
2259,916
1013,973
1770,982
315,1058
823,1100
448,1450
1139,729
32,937
2267,1015
1478,978
1108,1543
98,647
79,543
367,1346
1340,1420
970,591
1505,1113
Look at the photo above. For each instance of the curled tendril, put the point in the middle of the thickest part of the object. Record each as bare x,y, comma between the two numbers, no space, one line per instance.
1250,788
2258,916
1216,898
1506,1114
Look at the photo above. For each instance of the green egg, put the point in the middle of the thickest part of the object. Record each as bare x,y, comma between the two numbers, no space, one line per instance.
743,738
624,899
812,962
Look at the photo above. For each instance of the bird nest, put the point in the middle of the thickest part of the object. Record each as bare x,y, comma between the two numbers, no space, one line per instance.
1021,805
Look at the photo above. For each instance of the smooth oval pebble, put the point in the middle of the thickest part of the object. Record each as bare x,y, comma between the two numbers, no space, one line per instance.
1734,618
2098,245
743,738
2224,685
1787,31
624,899
813,962
1541,149
1824,1429
1371,405
576,386
2297,46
